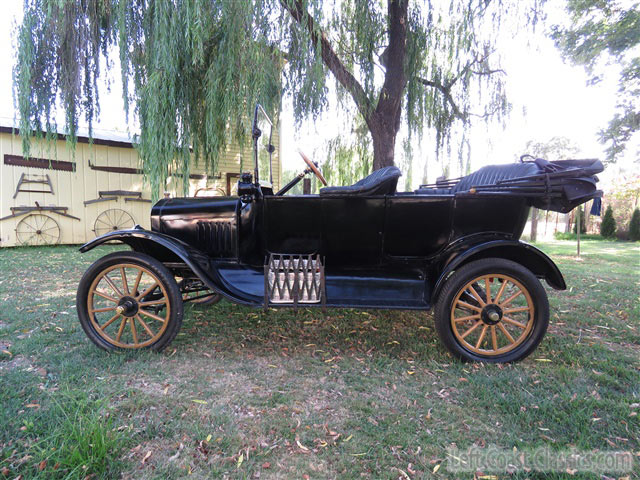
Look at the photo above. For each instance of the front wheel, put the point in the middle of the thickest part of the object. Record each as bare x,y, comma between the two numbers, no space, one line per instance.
129,300
492,310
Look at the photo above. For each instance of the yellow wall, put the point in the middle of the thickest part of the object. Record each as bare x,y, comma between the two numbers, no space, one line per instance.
229,162
72,189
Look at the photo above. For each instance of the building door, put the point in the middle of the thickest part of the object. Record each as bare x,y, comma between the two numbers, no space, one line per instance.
232,184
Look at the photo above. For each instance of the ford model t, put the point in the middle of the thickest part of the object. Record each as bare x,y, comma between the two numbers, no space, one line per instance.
452,247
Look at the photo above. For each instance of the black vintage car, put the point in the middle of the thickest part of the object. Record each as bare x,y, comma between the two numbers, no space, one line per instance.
452,247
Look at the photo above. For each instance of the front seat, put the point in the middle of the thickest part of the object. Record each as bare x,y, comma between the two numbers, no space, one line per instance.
381,182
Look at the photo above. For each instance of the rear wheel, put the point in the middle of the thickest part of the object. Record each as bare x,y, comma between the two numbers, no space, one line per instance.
129,300
492,310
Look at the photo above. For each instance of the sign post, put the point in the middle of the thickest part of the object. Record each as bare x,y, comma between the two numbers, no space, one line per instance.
578,228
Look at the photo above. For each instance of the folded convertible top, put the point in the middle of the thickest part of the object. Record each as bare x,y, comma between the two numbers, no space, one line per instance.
559,185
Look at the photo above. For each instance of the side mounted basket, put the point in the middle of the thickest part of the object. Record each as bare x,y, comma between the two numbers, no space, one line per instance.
294,279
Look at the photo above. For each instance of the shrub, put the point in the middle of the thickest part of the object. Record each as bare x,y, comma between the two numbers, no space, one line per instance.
634,226
608,225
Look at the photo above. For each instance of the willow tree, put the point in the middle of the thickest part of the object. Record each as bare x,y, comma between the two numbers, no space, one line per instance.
601,33
191,69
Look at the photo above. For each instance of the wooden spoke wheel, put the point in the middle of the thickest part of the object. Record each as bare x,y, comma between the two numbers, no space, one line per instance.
492,310
128,300
37,229
112,220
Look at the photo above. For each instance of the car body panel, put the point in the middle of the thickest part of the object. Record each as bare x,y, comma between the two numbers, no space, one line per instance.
176,254
481,246
417,226
378,252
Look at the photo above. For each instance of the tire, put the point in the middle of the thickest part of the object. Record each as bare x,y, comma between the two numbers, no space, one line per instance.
129,300
507,328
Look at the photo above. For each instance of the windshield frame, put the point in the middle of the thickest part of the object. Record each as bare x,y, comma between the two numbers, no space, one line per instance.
257,133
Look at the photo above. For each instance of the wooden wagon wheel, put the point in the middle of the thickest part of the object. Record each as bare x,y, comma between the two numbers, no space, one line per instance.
37,229
112,220
499,318
129,300
492,310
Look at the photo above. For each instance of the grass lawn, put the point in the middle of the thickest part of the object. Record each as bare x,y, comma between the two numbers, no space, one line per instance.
246,394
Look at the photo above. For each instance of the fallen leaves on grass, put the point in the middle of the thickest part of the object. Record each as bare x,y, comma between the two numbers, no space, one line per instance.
301,446
332,433
403,474
547,438
177,454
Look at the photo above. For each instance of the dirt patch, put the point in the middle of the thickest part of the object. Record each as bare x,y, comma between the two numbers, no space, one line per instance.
149,387
19,361
208,374
627,348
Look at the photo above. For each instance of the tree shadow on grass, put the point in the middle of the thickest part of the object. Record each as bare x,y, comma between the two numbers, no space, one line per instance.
395,334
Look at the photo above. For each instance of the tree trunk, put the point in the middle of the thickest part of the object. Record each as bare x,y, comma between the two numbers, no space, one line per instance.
384,142
546,224
383,117
587,217
384,123
425,173
534,224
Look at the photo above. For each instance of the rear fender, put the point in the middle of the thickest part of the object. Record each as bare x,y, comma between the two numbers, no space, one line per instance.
526,255
168,249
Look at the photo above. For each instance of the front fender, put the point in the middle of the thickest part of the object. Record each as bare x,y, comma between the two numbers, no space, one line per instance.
520,252
169,249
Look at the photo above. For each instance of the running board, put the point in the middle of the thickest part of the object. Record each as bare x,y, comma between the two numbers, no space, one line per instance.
339,288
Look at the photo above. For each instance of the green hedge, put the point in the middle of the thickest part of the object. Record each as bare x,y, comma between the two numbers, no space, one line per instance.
573,236
634,226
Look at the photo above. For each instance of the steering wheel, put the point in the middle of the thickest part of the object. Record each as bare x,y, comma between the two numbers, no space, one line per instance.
313,168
